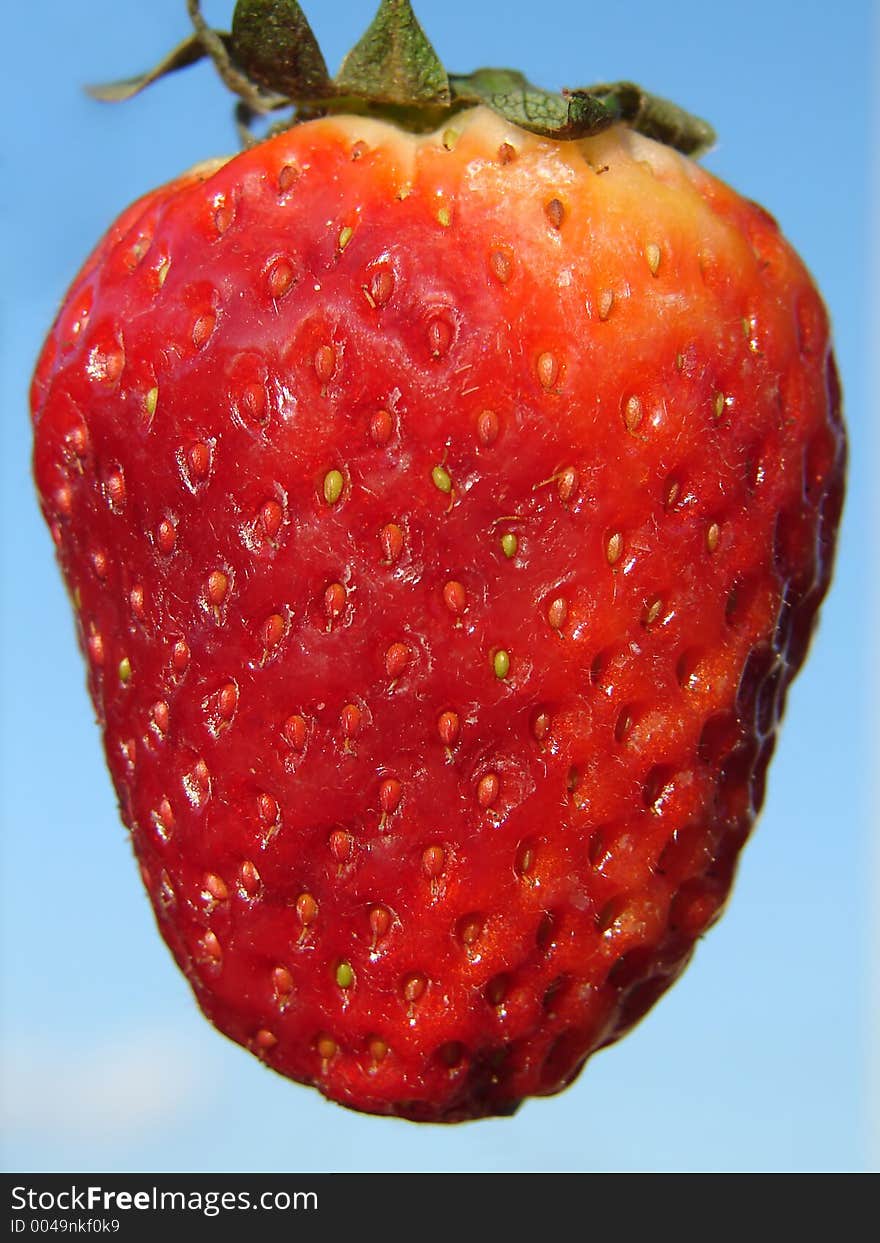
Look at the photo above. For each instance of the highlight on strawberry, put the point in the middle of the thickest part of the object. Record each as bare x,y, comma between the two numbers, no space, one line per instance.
446,487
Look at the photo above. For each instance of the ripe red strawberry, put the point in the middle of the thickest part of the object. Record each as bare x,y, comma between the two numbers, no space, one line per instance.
445,515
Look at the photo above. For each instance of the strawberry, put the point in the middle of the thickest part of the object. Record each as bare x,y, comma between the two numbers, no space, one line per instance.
446,487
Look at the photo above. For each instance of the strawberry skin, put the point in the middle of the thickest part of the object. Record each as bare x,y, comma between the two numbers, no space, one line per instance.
445,518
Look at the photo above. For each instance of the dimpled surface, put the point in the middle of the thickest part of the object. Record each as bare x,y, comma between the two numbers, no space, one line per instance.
445,518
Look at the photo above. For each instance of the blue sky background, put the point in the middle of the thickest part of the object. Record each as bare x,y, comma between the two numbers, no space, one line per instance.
760,1057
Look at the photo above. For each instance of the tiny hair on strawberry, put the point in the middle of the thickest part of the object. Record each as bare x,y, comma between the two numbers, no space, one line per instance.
446,487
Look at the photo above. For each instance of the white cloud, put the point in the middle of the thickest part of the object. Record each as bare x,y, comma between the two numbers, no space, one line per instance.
132,1083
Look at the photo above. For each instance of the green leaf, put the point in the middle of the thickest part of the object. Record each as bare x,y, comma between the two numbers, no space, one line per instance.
587,114
394,63
186,53
576,114
656,117
272,59
274,44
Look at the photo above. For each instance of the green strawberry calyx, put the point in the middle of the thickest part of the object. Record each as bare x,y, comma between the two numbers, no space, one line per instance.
271,60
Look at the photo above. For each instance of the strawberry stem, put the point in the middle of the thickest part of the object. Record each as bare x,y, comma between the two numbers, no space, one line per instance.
271,60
